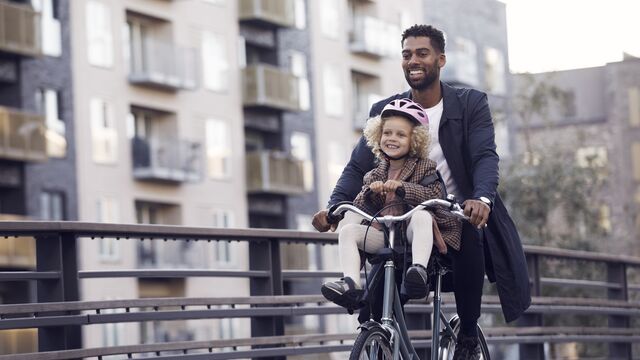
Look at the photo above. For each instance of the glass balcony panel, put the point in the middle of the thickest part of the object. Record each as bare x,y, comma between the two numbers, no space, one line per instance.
373,37
268,86
164,65
22,136
267,12
167,160
19,29
275,173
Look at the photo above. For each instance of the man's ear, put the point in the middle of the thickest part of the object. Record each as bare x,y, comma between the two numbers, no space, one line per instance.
442,60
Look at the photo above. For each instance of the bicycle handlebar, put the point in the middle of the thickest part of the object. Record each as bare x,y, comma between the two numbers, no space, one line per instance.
336,212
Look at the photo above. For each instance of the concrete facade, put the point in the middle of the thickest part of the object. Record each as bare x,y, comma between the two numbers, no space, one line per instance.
601,120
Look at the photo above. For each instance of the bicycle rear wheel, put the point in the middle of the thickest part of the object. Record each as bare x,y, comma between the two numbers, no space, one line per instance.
372,344
448,345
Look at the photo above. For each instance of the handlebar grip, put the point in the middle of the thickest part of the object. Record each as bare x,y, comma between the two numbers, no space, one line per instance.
401,192
334,219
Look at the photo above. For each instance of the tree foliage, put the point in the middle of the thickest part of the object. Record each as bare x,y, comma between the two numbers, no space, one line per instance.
550,195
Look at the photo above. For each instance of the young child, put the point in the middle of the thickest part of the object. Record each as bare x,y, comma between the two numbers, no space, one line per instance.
400,139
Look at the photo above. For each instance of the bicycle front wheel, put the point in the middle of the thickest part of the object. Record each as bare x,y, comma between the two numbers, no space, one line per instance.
372,344
448,345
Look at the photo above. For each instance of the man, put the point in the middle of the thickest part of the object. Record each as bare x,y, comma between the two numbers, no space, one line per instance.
464,149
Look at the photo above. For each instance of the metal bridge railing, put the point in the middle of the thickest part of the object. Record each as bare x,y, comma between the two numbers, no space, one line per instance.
606,287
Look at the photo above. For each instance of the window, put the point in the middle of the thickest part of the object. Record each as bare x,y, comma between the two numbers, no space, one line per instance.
300,14
298,63
569,104
218,149
634,106
99,34
604,221
635,159
338,158
591,156
330,18
48,102
333,93
103,132
49,26
223,251
494,71
463,61
52,205
215,66
107,212
301,150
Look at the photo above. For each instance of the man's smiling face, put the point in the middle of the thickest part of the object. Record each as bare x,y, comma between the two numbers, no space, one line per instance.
421,62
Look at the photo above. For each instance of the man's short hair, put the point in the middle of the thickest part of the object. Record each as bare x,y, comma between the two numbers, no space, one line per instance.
436,36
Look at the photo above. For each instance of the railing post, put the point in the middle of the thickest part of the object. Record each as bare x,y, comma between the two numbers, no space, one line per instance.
58,253
532,351
265,255
617,273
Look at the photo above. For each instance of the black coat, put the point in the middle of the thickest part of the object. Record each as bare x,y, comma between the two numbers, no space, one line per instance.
466,136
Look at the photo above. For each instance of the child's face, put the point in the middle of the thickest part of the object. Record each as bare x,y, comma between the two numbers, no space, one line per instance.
396,136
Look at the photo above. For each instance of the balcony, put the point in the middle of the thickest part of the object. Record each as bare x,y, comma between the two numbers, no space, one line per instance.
19,29
172,161
17,252
267,12
22,136
275,173
268,86
374,37
163,65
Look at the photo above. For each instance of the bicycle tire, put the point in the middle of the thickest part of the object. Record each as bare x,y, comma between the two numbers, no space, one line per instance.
448,345
372,344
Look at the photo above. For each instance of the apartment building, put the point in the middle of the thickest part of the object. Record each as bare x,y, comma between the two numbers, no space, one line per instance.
600,123
477,54
37,162
160,140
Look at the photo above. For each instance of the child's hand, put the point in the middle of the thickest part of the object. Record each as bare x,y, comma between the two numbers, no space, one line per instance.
391,186
377,187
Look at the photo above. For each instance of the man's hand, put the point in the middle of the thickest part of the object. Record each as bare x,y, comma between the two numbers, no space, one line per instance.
477,211
321,221
377,187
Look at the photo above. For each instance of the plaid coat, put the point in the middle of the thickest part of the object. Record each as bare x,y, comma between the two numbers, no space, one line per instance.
412,173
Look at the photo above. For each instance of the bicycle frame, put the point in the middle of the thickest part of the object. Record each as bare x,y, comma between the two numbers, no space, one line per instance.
396,327
391,304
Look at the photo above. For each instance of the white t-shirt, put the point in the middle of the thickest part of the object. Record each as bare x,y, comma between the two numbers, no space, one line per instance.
435,114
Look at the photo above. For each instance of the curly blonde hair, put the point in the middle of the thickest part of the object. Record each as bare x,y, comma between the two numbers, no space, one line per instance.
420,138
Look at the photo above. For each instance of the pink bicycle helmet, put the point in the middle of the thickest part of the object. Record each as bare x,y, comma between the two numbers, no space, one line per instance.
406,108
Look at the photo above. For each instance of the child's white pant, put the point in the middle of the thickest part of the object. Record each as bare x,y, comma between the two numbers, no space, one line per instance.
351,238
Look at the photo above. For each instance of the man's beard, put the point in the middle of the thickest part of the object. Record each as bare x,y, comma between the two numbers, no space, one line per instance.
429,78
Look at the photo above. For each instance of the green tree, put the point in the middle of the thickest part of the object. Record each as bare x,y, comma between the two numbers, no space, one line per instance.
549,194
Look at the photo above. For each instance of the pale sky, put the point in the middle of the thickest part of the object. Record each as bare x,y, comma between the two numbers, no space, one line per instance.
547,35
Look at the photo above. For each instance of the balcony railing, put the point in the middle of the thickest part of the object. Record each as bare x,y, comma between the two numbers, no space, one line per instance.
163,65
166,160
275,173
268,86
22,136
267,12
19,29
374,37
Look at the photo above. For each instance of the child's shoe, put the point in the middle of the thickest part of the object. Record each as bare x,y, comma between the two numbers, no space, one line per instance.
416,282
343,292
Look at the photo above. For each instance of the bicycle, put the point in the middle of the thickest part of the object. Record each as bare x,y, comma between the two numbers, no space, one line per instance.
389,338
